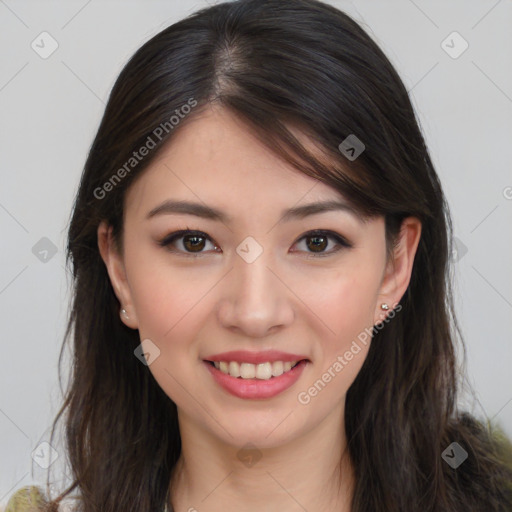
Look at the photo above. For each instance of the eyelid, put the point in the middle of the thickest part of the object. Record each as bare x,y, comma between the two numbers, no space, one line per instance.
340,240
176,235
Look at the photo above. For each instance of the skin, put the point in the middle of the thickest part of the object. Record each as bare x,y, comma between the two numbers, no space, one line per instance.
287,299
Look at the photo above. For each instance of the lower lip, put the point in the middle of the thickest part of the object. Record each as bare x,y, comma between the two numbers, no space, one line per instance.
257,388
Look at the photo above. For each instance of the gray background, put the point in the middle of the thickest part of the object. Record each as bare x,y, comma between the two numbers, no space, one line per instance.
50,109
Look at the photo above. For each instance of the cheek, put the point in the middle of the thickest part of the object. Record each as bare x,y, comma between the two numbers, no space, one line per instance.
343,301
172,304
168,298
344,308
163,302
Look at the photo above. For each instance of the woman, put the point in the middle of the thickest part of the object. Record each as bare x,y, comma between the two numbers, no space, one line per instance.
262,314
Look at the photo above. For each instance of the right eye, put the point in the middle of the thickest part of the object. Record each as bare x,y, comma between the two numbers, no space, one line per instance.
192,242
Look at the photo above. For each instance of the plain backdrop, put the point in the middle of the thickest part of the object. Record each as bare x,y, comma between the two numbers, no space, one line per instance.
50,109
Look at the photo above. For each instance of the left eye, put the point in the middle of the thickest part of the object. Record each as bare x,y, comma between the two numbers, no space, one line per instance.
193,242
318,242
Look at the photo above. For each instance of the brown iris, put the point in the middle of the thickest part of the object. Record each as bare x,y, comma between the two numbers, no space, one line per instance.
194,243
319,242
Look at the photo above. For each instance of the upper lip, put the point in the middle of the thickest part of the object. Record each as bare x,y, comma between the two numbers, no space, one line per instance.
243,356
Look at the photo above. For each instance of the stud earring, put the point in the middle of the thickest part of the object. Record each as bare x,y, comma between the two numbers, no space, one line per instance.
124,313
384,306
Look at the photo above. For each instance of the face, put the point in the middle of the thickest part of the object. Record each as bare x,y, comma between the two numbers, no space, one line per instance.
255,280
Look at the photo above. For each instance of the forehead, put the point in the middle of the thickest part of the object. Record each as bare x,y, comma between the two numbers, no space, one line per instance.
215,159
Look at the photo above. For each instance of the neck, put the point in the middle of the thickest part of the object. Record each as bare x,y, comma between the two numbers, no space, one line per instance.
310,472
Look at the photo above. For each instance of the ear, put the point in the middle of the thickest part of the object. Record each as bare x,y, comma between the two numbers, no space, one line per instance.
116,271
397,274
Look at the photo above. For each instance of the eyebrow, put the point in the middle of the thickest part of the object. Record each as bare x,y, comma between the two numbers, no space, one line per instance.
208,212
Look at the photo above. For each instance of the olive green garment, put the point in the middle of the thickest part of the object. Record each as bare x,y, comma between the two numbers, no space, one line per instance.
32,499
26,499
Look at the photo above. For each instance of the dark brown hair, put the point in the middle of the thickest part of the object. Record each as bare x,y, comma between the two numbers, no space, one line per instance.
278,64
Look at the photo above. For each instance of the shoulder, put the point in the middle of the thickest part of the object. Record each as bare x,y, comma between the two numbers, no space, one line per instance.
27,499
32,498
482,475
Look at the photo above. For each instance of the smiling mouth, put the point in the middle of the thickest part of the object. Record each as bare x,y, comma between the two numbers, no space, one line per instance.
262,371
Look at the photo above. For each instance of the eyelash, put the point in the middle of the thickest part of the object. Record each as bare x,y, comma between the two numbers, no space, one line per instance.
172,237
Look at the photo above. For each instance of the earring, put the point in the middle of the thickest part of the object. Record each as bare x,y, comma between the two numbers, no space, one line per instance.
124,313
384,306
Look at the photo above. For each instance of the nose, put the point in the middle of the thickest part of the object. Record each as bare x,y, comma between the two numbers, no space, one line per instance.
256,302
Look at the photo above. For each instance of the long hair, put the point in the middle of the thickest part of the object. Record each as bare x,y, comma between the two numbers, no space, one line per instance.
277,66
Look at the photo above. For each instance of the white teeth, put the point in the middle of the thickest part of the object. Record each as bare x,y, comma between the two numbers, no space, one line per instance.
247,371
277,368
263,371
234,369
